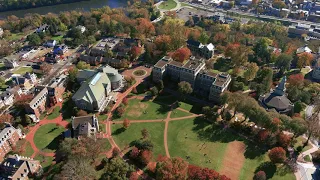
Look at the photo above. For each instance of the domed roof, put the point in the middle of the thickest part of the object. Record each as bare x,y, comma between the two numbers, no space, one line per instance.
114,77
278,102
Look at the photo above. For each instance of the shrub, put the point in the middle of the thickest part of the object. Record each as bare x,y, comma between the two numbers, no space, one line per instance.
260,175
277,155
284,140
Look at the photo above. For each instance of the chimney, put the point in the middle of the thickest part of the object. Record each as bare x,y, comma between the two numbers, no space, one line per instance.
17,157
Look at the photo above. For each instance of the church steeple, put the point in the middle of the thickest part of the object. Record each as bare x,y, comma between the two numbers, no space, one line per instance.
281,88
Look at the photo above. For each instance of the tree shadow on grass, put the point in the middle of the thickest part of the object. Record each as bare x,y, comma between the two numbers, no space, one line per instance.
268,167
253,151
163,109
119,131
53,129
54,144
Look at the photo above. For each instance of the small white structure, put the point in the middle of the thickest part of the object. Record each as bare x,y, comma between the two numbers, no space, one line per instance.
1,32
303,49
81,28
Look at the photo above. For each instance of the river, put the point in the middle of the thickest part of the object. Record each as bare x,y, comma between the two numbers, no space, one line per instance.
82,5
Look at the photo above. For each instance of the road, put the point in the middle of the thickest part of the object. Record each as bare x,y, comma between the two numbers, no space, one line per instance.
212,9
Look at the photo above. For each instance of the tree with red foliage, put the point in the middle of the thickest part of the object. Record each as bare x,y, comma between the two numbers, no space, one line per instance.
22,100
195,172
81,113
277,155
134,153
115,152
238,54
181,54
220,37
276,121
135,52
263,135
224,177
296,80
173,168
284,140
146,157
134,176
304,59
125,101
260,175
163,42
126,123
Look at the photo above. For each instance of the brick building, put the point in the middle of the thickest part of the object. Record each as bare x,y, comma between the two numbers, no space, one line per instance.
203,82
9,136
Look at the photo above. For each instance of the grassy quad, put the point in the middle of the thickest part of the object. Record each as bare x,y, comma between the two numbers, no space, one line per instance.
168,5
195,138
144,110
124,137
47,137
54,114
22,70
176,113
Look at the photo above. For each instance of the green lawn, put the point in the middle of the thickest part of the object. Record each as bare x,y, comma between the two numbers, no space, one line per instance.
28,150
102,117
195,137
178,113
57,38
106,145
22,70
300,141
167,5
45,161
102,127
15,36
147,110
124,137
47,137
54,114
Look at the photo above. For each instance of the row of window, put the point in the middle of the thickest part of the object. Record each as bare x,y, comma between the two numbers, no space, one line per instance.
40,100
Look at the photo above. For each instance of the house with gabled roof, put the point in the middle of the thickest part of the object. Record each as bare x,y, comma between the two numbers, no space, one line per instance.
202,50
85,126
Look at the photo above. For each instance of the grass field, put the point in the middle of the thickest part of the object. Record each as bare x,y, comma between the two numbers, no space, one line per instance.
45,161
28,150
124,137
178,113
22,70
57,38
47,137
54,114
207,145
167,5
146,110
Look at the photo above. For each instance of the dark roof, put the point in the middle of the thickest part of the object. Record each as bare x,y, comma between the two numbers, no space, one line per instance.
193,64
81,120
280,103
176,63
193,42
162,62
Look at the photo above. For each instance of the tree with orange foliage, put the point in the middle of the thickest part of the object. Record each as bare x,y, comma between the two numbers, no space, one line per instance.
145,27
238,54
134,175
181,54
135,52
304,59
277,155
173,168
163,42
126,123
115,152
220,37
284,140
6,118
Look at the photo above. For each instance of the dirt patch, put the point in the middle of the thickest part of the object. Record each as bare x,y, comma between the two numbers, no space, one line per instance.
233,159
137,109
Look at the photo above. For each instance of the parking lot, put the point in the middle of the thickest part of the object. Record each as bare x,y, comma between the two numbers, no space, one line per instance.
186,12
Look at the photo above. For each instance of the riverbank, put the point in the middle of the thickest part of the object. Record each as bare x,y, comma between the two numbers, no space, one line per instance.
80,5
